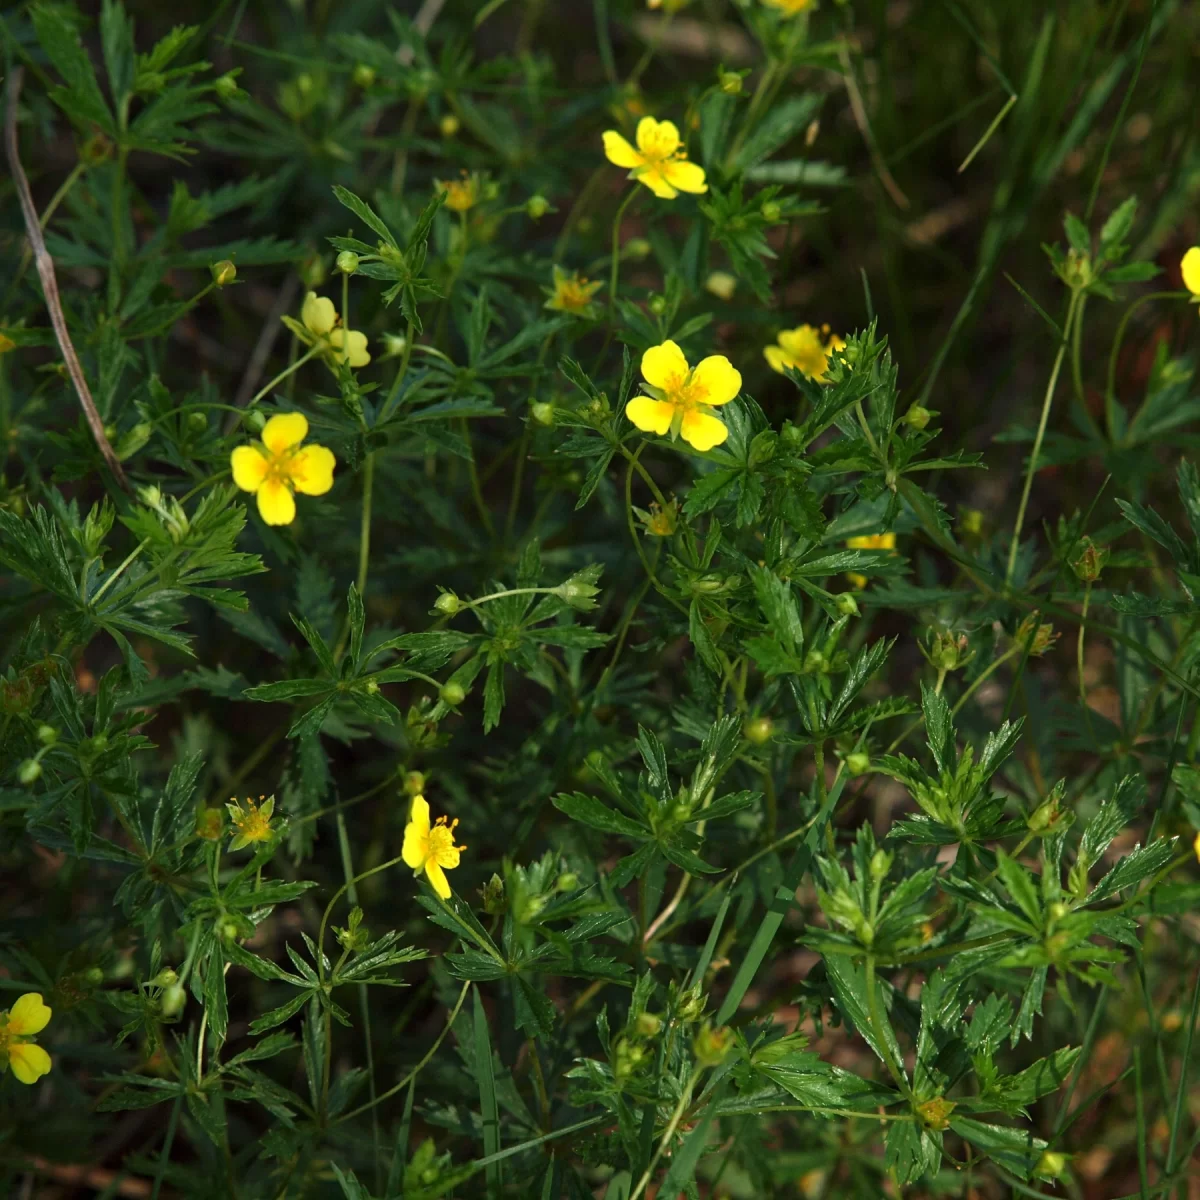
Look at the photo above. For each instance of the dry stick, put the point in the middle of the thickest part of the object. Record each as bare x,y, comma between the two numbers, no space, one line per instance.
45,268
422,23
263,347
859,110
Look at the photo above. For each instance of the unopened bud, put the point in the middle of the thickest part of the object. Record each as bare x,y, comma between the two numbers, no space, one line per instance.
493,895
568,881
226,86
167,977
758,731
1051,1164
881,864
658,305
846,604
172,1001
449,125
364,76
771,211
1090,561
542,412
730,82
712,1044
30,771
197,422
47,735
536,207
721,284
637,248
414,783
858,763
347,262
448,603
254,420
648,1025
917,416
452,693
223,272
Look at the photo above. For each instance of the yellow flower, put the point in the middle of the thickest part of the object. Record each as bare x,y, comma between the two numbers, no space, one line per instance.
253,822
869,541
659,160
279,465
572,294
1196,847
430,848
803,350
721,284
461,194
28,1017
319,328
678,396
1190,266
791,8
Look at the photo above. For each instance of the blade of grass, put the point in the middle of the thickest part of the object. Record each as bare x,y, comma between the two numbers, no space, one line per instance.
711,944
987,133
487,1096
1181,1093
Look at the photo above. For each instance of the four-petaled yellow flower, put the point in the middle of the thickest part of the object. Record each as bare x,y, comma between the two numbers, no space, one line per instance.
1190,266
279,465
659,160
253,822
27,1018
320,328
430,848
791,8
572,294
803,350
678,396
869,541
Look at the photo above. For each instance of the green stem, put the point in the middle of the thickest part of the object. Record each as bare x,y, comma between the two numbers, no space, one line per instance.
684,1100
1037,441
291,369
133,554
364,536
615,263
1110,390
876,1021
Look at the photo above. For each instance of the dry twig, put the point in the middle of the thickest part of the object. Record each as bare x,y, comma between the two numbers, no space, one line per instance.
45,268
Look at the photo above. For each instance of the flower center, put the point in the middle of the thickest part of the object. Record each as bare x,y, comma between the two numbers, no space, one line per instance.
441,839
685,393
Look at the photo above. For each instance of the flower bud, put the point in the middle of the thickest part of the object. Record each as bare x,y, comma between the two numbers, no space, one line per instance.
254,420
493,895
846,604
167,977
414,783
637,248
536,207
197,421
223,272
881,864
917,416
448,604
1051,1164
394,345
858,763
568,881
1034,638
30,771
935,1113
658,305
47,735
730,82
648,1025
814,663
449,125
313,272
209,824
712,1044
758,731
93,976
452,693
347,262
542,412
772,212
226,86
364,76
172,1001
1089,562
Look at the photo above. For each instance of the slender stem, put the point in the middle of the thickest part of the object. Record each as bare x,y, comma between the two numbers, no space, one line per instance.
290,369
615,264
417,1069
1077,350
684,1100
1110,390
130,557
1083,699
364,536
1037,441
876,1020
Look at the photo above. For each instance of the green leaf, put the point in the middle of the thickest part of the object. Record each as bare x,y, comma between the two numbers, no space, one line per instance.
365,213
1016,1150
597,814
487,1097
81,98
782,123
701,639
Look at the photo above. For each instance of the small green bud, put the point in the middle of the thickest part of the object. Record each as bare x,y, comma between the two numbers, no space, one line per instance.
347,262
637,248
917,416
47,735
30,771
394,345
568,881
172,1001
772,212
846,604
758,731
658,305
223,272
414,783
133,440
99,743
1051,1165
227,930
493,895
197,421
1089,562
815,663
448,604
542,412
730,82
449,125
881,864
648,1025
93,976
712,1044
167,977
858,763
226,86
536,207
363,76
452,694
254,420
372,687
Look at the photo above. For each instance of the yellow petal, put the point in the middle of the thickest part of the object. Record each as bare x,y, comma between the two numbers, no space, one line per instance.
448,857
284,430
318,314
776,357
859,581
437,877
716,380
1191,270
276,505
414,850
650,415
686,176
352,344
29,1062
657,139
418,816
701,431
618,151
654,179
249,467
28,1016
664,366
311,470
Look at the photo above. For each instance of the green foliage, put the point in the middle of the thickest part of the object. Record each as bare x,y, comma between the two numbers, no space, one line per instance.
826,800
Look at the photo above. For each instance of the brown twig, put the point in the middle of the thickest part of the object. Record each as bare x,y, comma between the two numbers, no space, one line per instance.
45,268
859,109
263,347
